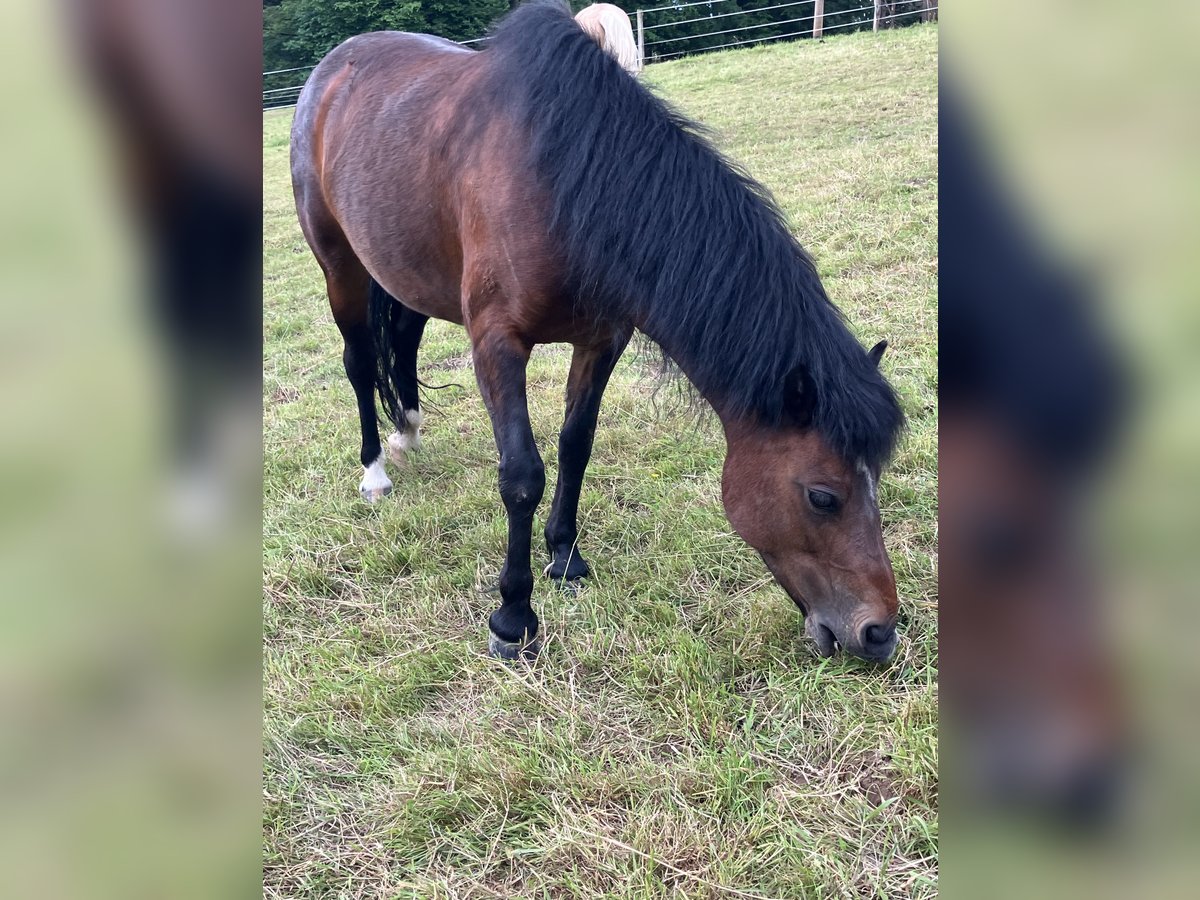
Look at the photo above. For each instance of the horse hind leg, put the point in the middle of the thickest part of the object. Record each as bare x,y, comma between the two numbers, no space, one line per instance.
349,287
398,332
348,284
375,482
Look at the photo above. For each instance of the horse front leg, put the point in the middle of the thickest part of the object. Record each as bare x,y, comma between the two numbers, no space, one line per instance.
590,371
500,362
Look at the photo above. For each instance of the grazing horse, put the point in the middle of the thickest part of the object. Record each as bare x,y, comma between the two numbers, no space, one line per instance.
608,26
485,188
1032,398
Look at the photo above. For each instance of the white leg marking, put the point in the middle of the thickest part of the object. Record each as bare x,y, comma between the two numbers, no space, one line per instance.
401,442
375,483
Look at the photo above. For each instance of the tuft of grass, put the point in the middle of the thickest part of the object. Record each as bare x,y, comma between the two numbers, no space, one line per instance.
677,737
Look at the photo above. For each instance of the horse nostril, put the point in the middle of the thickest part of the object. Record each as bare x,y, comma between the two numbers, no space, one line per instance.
877,635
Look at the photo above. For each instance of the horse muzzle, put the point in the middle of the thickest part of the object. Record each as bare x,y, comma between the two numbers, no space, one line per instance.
874,641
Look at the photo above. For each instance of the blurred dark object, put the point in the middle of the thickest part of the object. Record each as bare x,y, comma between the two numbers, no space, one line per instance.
177,83
1019,338
130,452
1031,398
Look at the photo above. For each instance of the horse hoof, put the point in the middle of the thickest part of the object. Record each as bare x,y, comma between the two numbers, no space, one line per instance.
375,483
571,587
374,494
400,444
569,578
512,650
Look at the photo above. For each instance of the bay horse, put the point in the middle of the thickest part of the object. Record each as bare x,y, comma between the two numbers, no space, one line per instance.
489,188
608,26
1032,398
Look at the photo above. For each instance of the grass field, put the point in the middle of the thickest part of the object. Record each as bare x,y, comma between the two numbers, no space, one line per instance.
678,737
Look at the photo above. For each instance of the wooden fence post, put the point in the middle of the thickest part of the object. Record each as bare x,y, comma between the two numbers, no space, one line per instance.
878,12
641,39
818,18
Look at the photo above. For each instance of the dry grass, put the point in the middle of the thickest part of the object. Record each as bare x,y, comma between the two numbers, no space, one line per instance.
677,737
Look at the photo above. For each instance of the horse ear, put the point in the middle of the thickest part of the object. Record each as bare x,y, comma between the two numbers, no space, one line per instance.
799,397
876,352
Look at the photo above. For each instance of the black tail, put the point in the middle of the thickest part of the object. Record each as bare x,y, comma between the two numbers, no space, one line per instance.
386,314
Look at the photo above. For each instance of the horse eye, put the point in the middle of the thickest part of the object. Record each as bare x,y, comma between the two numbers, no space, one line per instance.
822,500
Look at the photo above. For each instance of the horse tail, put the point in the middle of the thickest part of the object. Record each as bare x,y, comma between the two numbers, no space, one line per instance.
385,312
621,43
609,27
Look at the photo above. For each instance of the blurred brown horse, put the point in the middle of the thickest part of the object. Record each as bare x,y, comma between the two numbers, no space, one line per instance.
490,189
1032,397
176,82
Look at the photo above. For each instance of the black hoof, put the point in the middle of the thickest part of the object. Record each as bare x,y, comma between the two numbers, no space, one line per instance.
570,587
572,568
512,650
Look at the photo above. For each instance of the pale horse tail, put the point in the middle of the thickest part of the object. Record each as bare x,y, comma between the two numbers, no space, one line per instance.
609,27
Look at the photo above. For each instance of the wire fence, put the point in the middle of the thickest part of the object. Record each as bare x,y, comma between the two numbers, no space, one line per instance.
682,29
676,30
280,92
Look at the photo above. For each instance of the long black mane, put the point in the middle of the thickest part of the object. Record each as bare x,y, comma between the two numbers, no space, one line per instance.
658,228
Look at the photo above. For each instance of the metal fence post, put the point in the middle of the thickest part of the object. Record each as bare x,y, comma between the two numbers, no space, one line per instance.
818,18
641,39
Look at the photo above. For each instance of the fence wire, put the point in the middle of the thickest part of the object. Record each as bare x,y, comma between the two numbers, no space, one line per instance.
771,24
288,95
767,38
736,12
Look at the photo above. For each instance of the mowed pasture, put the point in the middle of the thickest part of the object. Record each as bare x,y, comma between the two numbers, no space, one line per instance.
678,736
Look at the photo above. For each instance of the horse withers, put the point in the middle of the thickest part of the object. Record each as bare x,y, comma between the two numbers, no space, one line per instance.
487,188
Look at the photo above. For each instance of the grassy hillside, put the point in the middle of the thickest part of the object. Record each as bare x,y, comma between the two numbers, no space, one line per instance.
678,736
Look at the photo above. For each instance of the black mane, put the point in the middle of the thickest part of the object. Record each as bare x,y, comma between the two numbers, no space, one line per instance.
660,229
1022,341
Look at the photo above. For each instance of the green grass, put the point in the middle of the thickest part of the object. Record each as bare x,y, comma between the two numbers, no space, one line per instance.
678,736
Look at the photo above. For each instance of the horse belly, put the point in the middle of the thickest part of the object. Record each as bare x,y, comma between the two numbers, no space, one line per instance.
398,222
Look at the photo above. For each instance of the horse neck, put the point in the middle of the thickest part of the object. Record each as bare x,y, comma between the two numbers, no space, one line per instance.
672,346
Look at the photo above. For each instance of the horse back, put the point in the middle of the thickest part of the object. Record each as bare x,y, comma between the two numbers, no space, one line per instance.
401,144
